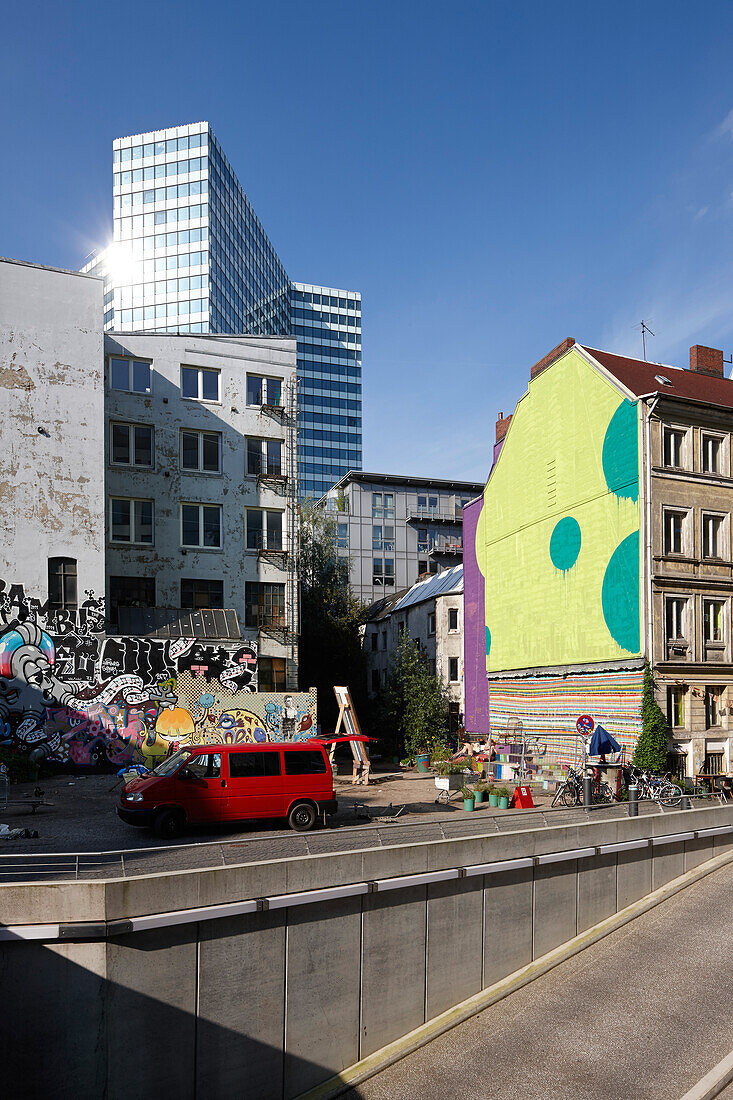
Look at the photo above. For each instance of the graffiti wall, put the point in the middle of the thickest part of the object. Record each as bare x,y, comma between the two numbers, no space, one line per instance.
474,627
69,693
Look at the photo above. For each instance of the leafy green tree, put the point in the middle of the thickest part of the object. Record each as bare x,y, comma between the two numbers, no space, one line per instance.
651,748
414,704
330,617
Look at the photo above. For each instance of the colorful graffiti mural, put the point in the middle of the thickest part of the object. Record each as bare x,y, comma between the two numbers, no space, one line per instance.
69,693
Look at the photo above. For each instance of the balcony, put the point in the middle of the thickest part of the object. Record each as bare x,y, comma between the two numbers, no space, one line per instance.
175,622
266,547
434,515
446,549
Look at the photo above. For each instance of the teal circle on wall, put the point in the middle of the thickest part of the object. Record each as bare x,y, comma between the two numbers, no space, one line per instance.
620,594
488,641
620,455
565,543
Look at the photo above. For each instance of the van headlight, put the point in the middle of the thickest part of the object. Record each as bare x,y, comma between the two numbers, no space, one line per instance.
132,797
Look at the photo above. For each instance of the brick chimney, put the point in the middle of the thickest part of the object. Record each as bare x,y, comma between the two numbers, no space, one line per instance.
552,356
706,360
502,426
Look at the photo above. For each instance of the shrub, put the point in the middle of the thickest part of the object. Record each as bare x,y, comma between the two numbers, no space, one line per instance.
650,753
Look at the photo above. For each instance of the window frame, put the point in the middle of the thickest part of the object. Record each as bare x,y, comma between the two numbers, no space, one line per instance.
132,501
706,435
457,678
431,624
200,505
714,692
193,605
200,385
264,528
131,360
672,429
65,572
131,425
667,514
200,433
264,391
722,541
684,636
678,692
708,620
451,612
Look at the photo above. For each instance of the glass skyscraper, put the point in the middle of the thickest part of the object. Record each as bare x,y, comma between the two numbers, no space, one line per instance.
189,254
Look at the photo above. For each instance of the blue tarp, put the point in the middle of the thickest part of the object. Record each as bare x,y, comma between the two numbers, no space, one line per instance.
602,742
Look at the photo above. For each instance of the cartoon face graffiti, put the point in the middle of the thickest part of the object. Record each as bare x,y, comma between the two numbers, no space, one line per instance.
175,724
27,680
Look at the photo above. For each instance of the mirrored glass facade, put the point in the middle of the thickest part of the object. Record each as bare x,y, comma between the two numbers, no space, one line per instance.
189,254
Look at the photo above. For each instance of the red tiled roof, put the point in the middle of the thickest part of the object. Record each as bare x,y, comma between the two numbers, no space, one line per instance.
639,377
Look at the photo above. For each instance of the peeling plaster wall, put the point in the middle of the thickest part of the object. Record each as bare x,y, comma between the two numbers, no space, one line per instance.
51,491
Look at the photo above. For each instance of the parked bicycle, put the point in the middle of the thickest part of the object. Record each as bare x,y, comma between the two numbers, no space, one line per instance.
654,788
570,792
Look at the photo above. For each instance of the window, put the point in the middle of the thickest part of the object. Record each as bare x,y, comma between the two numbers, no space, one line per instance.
264,604
712,536
305,762
201,451
263,391
200,383
423,545
453,669
383,571
131,521
374,642
674,439
713,706
271,674
422,567
264,530
201,594
676,706
383,638
264,457
342,536
62,584
676,611
383,537
431,622
131,444
383,506
129,592
201,525
674,529
713,620
453,618
254,765
711,447
131,375
206,766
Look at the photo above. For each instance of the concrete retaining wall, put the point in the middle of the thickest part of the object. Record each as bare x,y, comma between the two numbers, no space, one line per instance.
269,1003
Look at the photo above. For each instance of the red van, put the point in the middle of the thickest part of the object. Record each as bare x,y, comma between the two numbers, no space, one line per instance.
203,783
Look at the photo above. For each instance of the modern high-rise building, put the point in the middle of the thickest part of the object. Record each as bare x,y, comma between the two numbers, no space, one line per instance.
189,254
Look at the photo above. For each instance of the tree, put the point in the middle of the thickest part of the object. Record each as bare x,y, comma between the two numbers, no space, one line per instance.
330,617
650,753
414,706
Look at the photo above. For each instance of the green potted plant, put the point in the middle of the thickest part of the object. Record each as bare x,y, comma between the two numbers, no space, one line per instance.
480,790
503,795
493,797
468,799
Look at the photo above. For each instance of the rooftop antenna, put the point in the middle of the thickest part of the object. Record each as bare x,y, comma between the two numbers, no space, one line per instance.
644,329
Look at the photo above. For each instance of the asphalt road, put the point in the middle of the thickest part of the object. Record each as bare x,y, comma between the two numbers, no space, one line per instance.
643,1014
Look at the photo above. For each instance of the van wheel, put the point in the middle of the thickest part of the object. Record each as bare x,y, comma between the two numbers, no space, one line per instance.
168,824
302,817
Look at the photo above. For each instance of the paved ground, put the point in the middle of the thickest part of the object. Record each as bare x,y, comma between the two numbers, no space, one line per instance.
643,1014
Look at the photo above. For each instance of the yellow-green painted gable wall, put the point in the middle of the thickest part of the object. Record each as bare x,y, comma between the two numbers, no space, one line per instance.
553,467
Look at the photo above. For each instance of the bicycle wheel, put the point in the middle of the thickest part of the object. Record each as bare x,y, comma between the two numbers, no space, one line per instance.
570,796
670,795
558,795
604,793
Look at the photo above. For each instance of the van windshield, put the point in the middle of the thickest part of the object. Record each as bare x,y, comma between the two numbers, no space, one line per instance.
173,763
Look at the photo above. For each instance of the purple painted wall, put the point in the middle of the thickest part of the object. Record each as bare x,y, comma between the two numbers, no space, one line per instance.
474,627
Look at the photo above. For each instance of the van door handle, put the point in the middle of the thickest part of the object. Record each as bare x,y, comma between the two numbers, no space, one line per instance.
223,782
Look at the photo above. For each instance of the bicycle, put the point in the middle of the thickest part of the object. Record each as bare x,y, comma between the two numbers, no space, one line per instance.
654,788
571,791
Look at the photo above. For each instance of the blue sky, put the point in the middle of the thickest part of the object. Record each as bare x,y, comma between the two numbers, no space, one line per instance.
493,177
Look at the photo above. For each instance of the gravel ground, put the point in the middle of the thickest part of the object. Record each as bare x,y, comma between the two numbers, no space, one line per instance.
642,1015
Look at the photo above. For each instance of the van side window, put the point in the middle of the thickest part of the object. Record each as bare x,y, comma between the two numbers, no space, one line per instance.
304,762
207,765
253,765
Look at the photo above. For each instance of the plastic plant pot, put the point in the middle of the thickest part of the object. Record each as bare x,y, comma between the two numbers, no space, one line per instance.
493,800
423,762
478,797
503,803
468,803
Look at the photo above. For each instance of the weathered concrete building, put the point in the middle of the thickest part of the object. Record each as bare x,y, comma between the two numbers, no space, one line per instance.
394,529
431,613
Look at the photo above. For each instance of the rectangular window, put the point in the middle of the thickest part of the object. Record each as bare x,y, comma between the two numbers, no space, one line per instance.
254,765
200,383
263,391
713,620
676,613
674,439
271,674
431,622
131,521
422,541
710,453
676,706
131,444
129,592
453,618
342,536
674,528
264,457
422,504
305,762
376,505
201,451
198,595
375,638
205,766
62,595
388,537
712,536
713,706
130,375
264,530
376,537
388,505
453,669
264,605
383,571
422,568
201,525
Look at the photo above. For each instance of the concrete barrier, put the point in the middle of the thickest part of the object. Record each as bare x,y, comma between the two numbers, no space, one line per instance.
265,980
